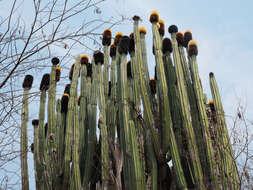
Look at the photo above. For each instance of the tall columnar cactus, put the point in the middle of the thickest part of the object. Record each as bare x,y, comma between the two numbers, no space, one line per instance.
159,121
27,85
190,136
229,165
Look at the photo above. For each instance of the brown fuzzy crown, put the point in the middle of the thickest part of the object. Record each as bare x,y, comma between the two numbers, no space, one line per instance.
35,122
117,38
123,45
84,59
143,30
192,48
113,50
55,61
180,38
98,57
173,29
136,18
45,82
166,45
67,89
28,81
107,37
187,37
64,103
58,73
161,27
152,84
131,46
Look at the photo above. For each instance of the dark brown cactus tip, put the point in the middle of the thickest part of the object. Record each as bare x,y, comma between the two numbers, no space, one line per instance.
79,100
154,16
211,74
110,88
32,147
55,61
98,57
45,82
64,103
67,89
107,37
89,70
84,59
71,71
123,45
142,30
113,50
131,47
58,73
187,37
136,18
166,45
117,38
35,122
45,129
152,84
28,81
173,29
161,27
129,72
180,38
192,48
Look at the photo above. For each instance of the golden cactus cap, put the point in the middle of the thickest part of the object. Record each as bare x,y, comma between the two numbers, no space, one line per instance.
123,45
142,30
28,81
211,102
187,37
192,48
152,85
161,28
107,37
173,29
166,45
98,57
117,38
64,103
84,59
180,38
131,47
113,50
55,61
58,73
154,16
45,82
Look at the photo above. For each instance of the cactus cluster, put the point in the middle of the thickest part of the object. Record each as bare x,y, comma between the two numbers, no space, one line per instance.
149,133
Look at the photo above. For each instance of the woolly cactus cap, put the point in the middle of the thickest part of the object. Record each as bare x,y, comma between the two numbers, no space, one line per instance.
98,57
166,45
123,45
58,73
136,18
28,81
143,30
187,37
107,37
154,16
45,82
161,27
35,122
211,74
211,102
113,50
64,103
117,38
84,59
67,89
131,46
55,61
152,84
173,29
129,72
192,48
180,38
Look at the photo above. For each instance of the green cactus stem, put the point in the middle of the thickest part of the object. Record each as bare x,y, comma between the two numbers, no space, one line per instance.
35,124
190,136
27,85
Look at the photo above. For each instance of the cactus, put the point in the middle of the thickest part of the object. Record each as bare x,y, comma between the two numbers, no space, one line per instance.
157,120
